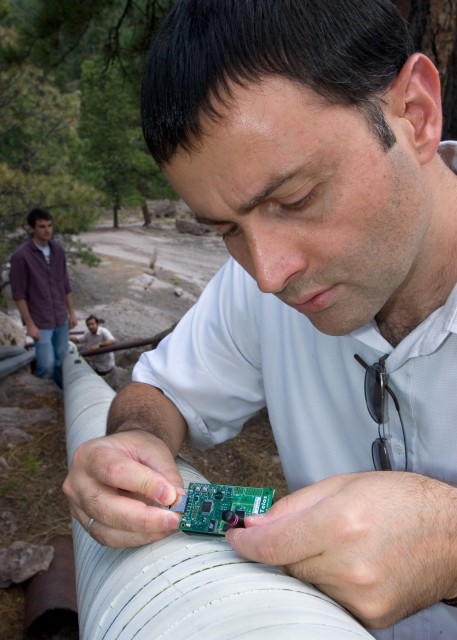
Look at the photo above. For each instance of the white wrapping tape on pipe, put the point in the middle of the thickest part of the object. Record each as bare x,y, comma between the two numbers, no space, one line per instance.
183,587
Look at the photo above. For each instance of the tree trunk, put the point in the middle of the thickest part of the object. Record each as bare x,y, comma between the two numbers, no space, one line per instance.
116,217
142,187
147,217
433,25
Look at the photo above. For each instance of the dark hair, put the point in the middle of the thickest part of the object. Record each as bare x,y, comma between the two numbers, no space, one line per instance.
97,320
37,214
347,51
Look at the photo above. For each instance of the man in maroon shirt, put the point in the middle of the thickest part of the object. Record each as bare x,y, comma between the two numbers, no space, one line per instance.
41,289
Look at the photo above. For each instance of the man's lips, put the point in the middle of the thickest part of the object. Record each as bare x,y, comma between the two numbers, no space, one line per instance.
315,301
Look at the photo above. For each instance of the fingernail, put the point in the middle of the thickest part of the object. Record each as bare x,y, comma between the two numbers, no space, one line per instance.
161,495
171,523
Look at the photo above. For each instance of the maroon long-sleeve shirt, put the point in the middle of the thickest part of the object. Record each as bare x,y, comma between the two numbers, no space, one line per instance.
43,287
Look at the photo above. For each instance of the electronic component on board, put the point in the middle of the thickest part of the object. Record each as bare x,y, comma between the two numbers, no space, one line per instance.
215,508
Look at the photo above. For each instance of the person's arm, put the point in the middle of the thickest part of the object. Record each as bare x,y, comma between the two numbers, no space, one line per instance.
107,340
71,313
106,343
115,479
142,406
382,544
31,328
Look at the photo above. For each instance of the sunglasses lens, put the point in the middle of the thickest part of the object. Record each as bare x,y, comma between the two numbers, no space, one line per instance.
381,456
375,395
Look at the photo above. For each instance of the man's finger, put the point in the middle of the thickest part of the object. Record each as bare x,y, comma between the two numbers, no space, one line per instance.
145,521
283,541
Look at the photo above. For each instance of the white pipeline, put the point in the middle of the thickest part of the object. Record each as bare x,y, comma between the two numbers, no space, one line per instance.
183,587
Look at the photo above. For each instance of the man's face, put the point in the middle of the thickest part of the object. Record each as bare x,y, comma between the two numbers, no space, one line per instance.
92,325
308,202
42,231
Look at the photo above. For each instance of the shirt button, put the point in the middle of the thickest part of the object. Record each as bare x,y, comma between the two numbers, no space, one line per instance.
398,448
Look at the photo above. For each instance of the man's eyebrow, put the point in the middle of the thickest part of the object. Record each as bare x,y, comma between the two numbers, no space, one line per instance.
266,191
257,198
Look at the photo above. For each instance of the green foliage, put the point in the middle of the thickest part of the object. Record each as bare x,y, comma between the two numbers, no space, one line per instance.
115,158
68,143
32,464
38,146
56,31
80,251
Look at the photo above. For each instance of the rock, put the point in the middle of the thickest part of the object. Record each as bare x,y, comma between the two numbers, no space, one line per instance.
22,560
193,227
21,385
11,332
130,320
164,208
10,434
118,378
182,209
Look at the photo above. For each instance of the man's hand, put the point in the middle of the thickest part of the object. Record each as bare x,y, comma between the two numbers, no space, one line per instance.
116,479
33,331
382,544
72,319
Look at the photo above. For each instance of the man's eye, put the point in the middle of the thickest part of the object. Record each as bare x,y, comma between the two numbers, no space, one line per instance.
303,203
230,233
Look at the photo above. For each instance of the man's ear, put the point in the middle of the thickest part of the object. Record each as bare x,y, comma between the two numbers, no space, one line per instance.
415,96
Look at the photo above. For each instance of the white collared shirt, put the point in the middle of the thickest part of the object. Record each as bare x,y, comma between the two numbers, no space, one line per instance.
102,362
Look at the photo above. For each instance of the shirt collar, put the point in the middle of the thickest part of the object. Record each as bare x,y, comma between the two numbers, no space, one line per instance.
448,153
35,247
423,340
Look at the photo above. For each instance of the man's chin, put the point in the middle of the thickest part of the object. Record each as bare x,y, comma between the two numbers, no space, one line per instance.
335,324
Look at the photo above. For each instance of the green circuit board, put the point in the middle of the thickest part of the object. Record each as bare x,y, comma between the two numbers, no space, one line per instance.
214,508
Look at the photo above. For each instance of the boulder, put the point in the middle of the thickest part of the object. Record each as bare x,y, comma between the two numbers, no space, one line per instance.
22,560
184,225
10,332
164,208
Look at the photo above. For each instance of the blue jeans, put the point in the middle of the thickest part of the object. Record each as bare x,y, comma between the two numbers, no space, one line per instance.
49,352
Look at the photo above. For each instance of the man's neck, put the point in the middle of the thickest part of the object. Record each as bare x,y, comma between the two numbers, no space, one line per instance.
434,276
41,243
396,326
405,311
427,292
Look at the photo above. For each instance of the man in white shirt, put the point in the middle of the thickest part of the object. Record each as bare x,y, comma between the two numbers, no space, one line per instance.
95,338
307,134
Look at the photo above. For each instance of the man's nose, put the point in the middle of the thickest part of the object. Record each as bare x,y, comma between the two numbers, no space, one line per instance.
275,261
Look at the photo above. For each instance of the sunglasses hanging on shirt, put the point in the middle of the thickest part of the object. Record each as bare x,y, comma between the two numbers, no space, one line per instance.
377,392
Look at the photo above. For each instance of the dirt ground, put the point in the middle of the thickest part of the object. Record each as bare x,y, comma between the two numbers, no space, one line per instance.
136,299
